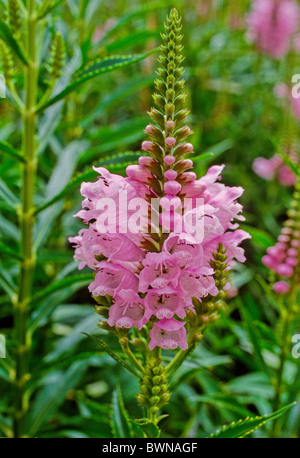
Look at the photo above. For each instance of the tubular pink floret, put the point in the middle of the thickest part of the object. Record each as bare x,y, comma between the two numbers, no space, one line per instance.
281,287
169,160
172,187
148,146
170,141
170,174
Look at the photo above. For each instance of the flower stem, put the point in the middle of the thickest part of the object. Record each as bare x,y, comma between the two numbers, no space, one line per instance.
179,359
287,318
26,224
124,344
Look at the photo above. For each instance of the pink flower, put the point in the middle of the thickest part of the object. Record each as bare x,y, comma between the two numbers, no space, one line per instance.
164,303
185,248
112,279
281,287
161,270
270,168
198,282
168,334
271,25
127,311
282,258
265,168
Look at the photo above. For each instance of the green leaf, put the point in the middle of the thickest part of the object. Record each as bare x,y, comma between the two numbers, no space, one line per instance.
260,237
148,427
7,37
10,151
254,336
53,394
44,11
115,161
114,355
121,428
61,284
7,283
134,13
223,401
5,249
74,183
94,69
246,426
7,195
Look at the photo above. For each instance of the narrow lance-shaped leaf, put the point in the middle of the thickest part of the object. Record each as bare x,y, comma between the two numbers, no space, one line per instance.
94,69
121,428
10,151
245,427
7,37
149,429
117,160
61,284
114,355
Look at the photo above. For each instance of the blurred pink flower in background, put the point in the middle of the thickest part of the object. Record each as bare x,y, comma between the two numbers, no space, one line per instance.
274,168
272,24
281,90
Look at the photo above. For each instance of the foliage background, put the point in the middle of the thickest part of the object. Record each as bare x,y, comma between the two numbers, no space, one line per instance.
236,117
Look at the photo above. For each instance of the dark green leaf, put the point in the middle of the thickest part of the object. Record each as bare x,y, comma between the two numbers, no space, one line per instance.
114,355
148,427
8,149
61,284
7,36
245,427
121,428
94,69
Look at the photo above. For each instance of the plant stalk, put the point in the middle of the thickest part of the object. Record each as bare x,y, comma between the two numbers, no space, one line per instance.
26,224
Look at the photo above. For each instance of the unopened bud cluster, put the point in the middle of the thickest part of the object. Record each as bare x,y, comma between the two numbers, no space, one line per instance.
154,388
284,257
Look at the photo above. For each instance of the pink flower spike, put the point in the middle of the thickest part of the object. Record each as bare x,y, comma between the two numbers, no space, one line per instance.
169,160
272,24
170,141
189,147
168,334
281,287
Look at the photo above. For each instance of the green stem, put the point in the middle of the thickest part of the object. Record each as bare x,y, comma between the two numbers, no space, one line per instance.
26,223
179,359
130,355
287,317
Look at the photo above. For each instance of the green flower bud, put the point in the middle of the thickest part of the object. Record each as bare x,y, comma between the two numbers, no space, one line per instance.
14,17
57,56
